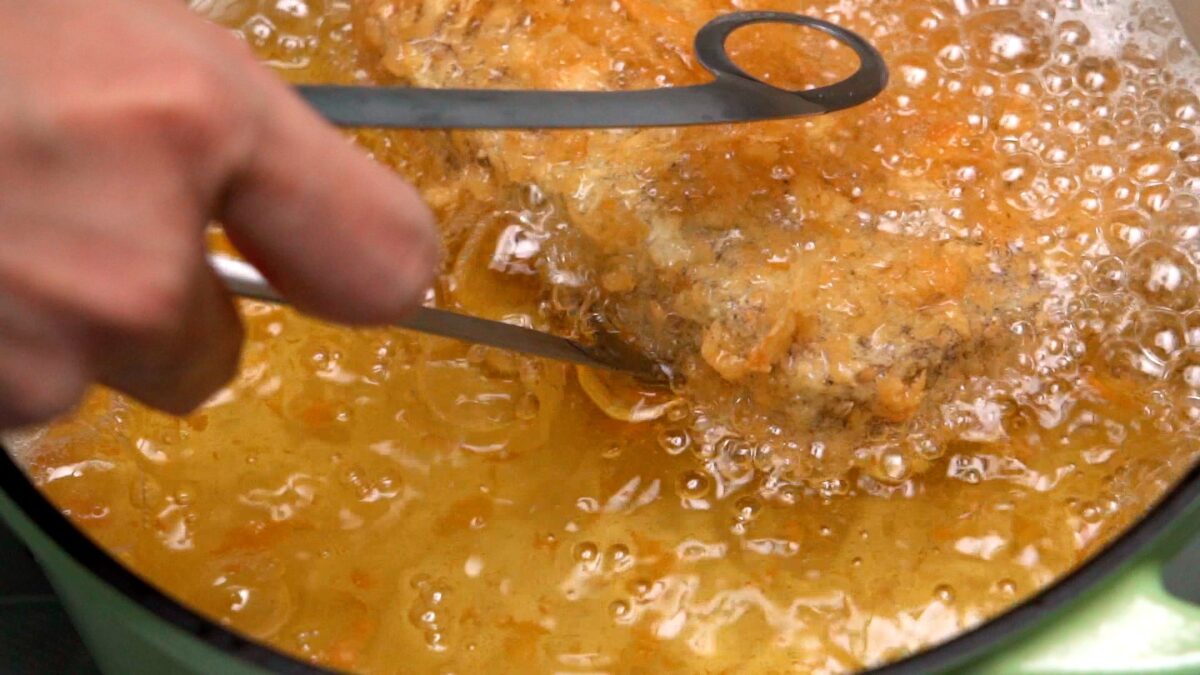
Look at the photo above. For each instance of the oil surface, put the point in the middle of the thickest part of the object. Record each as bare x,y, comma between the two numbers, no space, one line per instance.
385,502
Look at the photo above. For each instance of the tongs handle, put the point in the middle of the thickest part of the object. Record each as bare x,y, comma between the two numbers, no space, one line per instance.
732,96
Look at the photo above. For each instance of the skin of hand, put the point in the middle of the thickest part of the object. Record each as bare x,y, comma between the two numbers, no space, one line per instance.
125,127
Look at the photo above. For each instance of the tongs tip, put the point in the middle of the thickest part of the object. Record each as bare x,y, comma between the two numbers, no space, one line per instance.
608,347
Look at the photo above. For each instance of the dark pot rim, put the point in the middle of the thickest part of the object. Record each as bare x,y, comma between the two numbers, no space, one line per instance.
953,652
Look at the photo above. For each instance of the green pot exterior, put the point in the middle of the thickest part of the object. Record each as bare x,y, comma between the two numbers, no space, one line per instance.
124,638
1127,624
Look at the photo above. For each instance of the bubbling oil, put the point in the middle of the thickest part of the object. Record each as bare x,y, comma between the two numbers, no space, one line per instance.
381,501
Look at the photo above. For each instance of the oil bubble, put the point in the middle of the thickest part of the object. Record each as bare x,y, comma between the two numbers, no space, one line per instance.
586,552
1163,276
693,485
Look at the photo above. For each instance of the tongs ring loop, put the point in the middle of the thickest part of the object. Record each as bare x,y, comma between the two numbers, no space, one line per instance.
863,85
733,96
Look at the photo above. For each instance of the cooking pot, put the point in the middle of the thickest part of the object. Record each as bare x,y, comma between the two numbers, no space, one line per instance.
1112,614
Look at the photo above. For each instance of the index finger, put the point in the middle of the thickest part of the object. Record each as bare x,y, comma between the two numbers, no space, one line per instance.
337,234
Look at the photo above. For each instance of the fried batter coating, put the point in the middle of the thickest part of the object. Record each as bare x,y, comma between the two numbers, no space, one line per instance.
840,272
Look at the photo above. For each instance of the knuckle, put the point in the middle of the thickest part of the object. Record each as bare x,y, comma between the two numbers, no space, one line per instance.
220,364
229,355
177,367
53,396
42,390
209,373
186,107
25,137
224,357
152,303
194,109
182,402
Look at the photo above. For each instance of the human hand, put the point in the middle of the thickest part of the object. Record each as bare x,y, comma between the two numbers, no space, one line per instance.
125,127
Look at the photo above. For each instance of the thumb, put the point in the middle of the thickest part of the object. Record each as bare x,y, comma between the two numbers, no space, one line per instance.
340,236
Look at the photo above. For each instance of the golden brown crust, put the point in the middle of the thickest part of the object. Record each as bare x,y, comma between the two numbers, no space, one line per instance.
818,267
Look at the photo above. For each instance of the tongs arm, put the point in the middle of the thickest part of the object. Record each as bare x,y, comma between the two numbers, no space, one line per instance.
243,279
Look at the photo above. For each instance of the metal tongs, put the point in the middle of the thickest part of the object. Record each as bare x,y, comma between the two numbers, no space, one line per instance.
732,96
